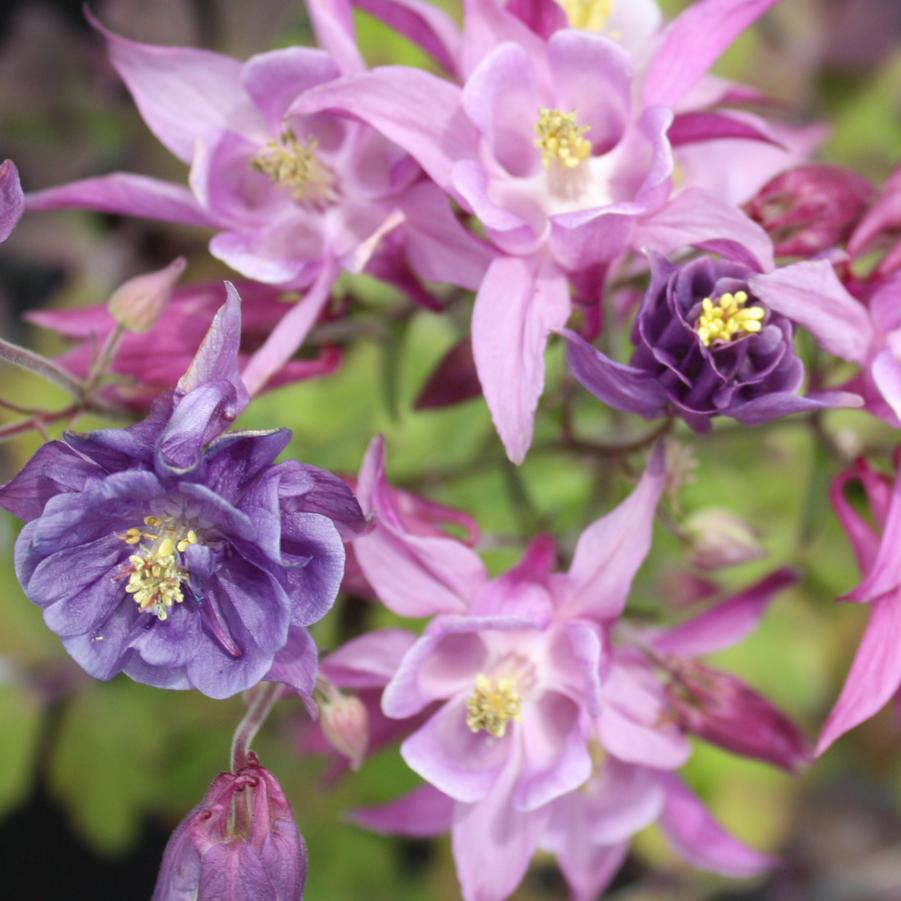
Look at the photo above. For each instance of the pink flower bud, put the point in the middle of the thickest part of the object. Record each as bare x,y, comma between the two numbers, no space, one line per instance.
139,303
239,843
723,710
344,722
809,209
718,538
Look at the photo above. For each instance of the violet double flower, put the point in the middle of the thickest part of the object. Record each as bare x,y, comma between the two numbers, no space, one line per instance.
179,555
714,337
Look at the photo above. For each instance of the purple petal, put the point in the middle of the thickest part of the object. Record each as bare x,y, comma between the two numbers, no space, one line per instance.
728,622
692,44
457,761
772,406
701,840
875,674
698,218
521,301
811,294
127,194
181,92
423,813
700,126
886,373
370,660
309,489
260,254
617,385
611,549
296,663
12,200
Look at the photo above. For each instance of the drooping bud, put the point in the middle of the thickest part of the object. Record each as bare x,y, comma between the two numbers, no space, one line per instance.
726,712
718,538
344,721
138,303
809,209
240,843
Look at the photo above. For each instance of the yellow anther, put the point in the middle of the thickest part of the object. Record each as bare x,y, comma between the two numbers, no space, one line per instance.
132,536
294,165
727,318
151,520
560,138
591,15
189,539
166,548
492,705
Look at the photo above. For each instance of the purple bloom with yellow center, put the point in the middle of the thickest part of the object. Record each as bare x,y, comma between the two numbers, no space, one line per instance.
179,555
715,337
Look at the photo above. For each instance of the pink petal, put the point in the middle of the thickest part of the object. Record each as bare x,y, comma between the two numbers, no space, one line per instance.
590,868
693,42
875,674
463,764
122,192
368,661
487,24
811,294
181,92
610,551
423,813
290,333
12,200
697,836
414,575
860,532
886,373
885,574
334,28
728,622
695,127
698,218
521,301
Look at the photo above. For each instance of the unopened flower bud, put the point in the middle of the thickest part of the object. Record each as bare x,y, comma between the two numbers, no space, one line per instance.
138,303
718,538
240,843
811,208
723,710
344,722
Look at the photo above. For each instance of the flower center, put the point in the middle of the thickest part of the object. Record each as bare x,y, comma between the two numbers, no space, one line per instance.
727,317
294,165
560,139
155,572
493,703
589,14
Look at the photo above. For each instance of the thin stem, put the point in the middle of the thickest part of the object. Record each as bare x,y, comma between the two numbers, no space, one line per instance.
262,699
106,354
47,369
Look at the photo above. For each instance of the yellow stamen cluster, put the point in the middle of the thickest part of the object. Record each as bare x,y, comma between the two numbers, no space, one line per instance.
492,705
156,574
727,317
294,165
560,138
591,15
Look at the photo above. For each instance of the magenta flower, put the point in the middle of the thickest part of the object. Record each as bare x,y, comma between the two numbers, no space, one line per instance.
179,555
294,197
240,843
714,337
153,361
875,675
547,146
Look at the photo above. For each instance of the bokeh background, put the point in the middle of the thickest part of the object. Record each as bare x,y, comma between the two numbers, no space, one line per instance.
93,777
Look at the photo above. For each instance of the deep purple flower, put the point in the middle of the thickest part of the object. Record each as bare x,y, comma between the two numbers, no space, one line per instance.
714,337
181,556
239,843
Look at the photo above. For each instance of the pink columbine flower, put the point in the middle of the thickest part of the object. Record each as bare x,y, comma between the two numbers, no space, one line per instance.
875,675
294,198
566,159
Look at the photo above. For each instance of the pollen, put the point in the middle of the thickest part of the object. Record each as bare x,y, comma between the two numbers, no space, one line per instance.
592,15
727,317
156,570
561,139
294,165
493,704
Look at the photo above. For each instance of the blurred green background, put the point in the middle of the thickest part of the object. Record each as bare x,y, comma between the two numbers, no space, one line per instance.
93,776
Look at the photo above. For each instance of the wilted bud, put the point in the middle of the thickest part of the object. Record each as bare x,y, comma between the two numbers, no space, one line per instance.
723,710
240,843
809,209
344,722
718,538
139,303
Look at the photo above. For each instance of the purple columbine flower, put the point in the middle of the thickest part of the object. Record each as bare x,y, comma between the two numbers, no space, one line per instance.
714,337
179,555
240,843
